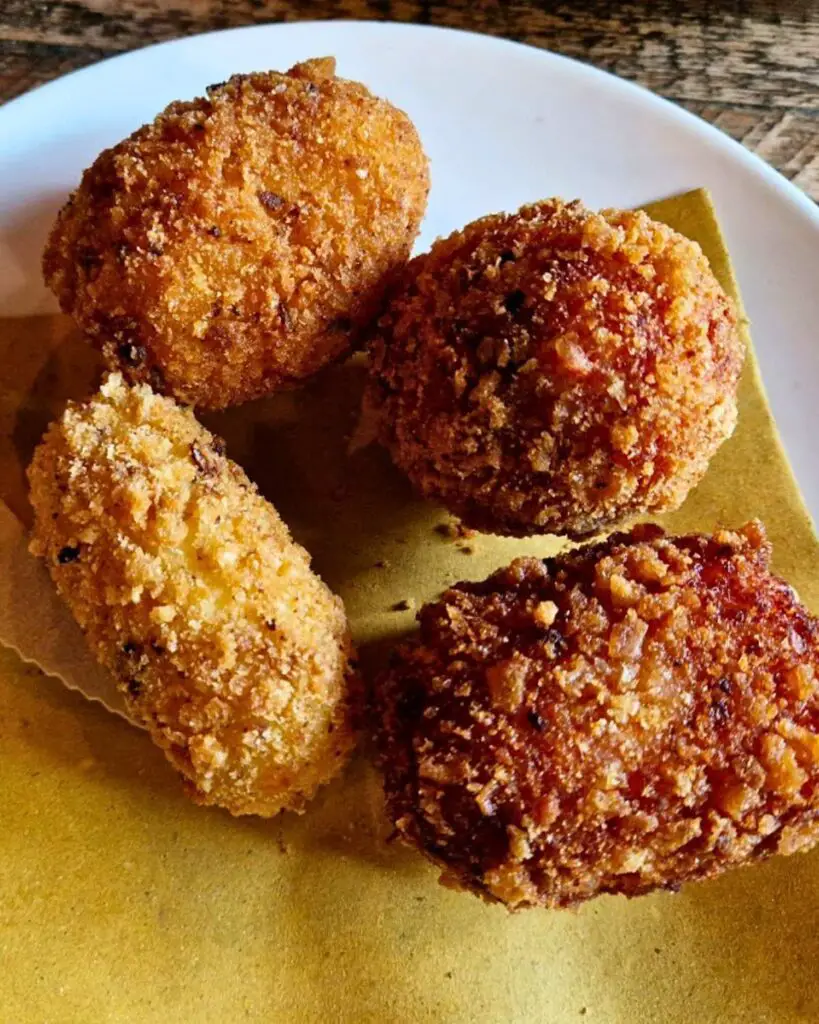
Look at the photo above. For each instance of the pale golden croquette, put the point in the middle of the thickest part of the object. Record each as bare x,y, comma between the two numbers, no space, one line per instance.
189,588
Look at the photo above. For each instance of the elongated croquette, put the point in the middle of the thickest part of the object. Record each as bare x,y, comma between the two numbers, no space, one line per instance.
625,718
191,591
556,370
237,243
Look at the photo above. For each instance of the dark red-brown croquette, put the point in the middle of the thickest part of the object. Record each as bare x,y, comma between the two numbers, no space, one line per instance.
556,370
625,718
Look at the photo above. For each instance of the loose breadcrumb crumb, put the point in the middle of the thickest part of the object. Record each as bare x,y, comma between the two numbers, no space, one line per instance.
191,591
620,719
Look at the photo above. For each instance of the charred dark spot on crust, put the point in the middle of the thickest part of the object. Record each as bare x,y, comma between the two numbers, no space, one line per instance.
156,379
198,126
215,87
507,256
157,648
219,335
400,606
556,640
271,624
218,445
88,257
214,231
203,460
121,327
514,302
134,687
131,647
410,703
155,250
132,354
68,554
270,201
107,187
312,89
724,684
720,711
536,721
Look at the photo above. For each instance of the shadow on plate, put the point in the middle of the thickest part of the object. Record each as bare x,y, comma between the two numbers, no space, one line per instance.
45,363
22,239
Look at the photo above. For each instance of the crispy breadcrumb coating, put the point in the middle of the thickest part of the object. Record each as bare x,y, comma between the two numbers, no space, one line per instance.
623,718
238,242
556,370
191,591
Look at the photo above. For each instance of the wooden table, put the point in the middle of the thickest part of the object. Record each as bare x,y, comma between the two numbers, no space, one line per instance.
751,68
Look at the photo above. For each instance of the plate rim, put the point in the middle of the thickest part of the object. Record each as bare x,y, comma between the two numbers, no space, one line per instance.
787,190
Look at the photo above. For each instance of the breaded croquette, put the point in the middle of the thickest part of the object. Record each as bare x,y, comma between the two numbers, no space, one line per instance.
237,244
620,719
556,370
189,588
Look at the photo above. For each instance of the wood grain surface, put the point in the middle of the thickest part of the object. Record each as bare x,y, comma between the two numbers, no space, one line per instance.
751,68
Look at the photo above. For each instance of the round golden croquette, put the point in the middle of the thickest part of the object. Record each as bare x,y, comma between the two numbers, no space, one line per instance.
189,588
556,370
237,243
620,719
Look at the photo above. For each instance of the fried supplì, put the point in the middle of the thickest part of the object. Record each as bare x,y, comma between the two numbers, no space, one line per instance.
239,242
624,718
556,370
189,588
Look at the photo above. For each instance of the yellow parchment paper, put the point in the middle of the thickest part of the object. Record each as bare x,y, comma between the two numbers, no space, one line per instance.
120,901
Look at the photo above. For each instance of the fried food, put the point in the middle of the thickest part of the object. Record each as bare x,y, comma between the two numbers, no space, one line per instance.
556,370
621,719
238,243
189,588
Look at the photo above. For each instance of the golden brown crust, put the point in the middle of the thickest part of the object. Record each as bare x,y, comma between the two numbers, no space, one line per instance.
626,717
238,242
191,591
556,370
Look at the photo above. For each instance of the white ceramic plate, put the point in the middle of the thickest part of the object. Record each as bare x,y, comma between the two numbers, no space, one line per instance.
502,123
